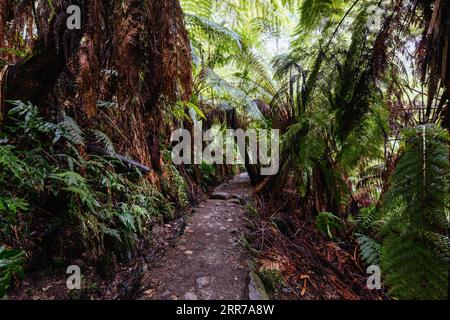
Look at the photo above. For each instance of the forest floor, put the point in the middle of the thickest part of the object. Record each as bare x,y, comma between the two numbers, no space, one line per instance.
221,249
207,261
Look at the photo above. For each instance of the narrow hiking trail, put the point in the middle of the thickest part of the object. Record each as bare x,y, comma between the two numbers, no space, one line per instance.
207,262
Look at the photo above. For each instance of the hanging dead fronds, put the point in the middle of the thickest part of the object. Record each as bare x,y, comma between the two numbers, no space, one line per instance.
431,57
134,55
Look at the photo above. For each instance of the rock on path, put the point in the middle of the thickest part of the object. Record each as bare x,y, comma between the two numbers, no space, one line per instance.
207,262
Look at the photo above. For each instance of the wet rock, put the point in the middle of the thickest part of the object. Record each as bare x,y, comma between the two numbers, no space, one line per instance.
203,282
221,196
240,198
256,289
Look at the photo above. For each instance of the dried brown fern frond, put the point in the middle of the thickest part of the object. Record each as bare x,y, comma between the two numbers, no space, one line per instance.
131,54
431,58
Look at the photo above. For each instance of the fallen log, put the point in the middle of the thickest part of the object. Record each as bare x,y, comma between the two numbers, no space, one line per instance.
100,151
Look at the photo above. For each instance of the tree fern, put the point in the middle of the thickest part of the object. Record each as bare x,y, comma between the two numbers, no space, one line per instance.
415,250
228,92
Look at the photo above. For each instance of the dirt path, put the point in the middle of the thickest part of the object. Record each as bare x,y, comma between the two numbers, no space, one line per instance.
207,262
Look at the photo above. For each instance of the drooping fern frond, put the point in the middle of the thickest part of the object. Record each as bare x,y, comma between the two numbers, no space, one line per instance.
70,130
29,120
413,268
259,71
314,11
230,93
415,250
105,140
77,187
370,250
367,218
202,8
212,29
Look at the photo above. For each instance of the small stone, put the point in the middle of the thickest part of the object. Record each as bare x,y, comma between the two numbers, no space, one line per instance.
149,293
189,252
235,201
230,220
190,296
203,282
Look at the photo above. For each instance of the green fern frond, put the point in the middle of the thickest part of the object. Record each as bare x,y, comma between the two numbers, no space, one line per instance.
70,130
105,140
414,253
213,30
370,250
328,223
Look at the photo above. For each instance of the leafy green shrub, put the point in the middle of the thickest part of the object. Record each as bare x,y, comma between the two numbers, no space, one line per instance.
415,252
10,266
208,174
173,184
42,170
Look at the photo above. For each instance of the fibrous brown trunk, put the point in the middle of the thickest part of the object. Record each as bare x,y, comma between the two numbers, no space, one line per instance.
133,54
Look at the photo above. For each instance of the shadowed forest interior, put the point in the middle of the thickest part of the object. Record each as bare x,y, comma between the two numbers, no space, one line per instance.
359,91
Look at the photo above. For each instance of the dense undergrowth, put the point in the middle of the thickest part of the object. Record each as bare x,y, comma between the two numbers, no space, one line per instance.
405,233
57,201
